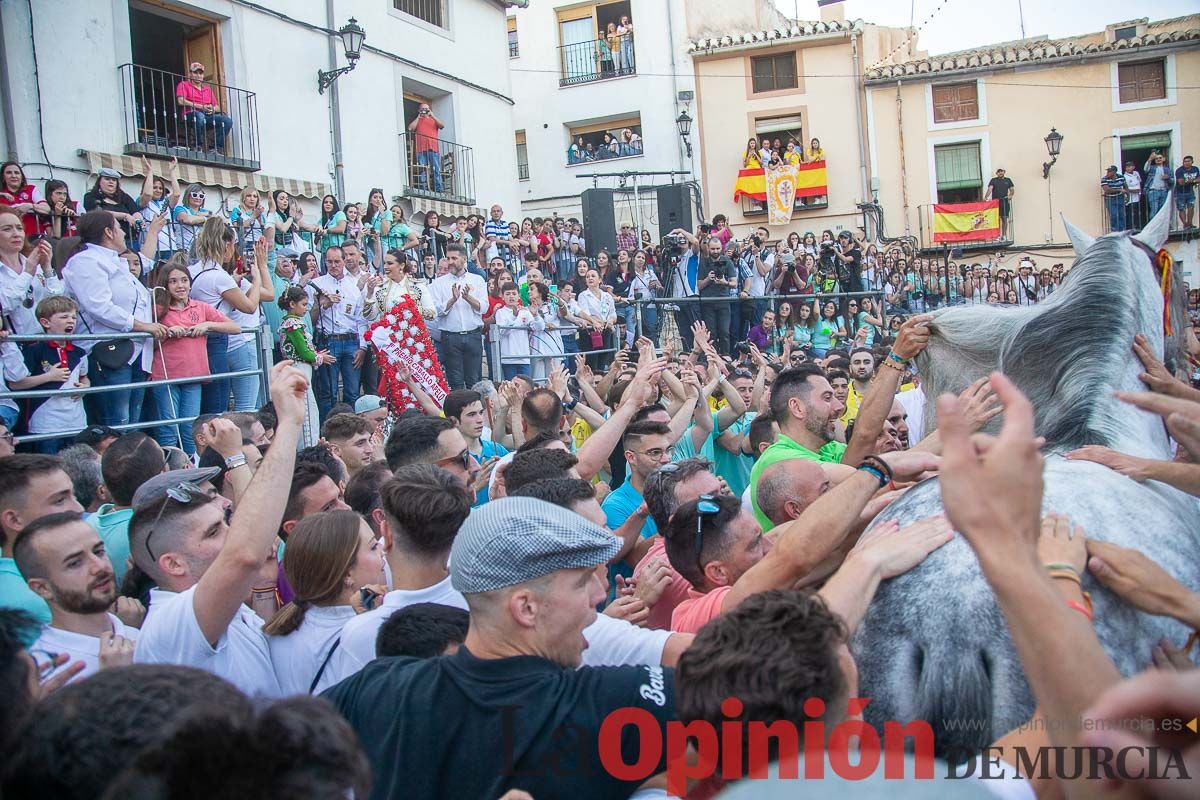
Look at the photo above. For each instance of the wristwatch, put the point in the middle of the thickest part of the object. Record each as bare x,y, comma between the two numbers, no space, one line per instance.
236,460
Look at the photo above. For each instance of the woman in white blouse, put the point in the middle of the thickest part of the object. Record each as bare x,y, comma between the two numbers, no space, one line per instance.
598,310
111,301
645,286
213,283
398,283
23,281
545,345
329,558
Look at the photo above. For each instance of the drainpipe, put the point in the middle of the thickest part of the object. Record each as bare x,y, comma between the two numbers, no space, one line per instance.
675,82
335,109
903,166
859,95
6,101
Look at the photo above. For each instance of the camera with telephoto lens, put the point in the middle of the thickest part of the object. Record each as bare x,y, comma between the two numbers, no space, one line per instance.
827,245
671,241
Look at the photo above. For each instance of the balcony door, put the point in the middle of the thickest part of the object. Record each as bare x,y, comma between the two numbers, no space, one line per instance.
578,38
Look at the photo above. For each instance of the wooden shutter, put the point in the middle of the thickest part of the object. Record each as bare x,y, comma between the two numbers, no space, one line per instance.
955,102
1142,80
958,166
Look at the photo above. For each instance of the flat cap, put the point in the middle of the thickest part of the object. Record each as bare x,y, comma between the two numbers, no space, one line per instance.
155,489
518,539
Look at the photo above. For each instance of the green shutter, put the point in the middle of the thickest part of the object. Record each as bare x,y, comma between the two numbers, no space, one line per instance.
958,166
1146,140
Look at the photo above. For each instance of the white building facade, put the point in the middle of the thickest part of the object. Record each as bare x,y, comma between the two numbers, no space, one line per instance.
107,72
573,85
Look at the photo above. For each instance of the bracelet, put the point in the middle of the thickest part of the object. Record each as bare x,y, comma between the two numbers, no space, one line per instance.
891,365
1067,574
893,357
1060,565
264,590
870,470
1081,608
880,466
236,460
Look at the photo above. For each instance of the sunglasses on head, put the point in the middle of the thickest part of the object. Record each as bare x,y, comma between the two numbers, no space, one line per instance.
185,493
706,507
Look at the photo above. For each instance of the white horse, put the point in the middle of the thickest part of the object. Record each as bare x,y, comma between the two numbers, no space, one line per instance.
934,644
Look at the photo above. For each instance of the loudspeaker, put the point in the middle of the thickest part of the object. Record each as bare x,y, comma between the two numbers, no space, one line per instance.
599,220
674,208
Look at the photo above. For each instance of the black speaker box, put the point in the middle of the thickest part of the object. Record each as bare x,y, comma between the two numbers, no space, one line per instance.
674,208
599,221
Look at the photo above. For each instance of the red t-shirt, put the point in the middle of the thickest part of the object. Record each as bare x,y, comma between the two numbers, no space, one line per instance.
186,357
427,134
26,194
694,613
201,95
544,241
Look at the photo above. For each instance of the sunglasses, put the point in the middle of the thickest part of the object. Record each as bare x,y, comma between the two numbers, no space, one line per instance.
185,493
197,195
706,507
464,458
656,453
743,373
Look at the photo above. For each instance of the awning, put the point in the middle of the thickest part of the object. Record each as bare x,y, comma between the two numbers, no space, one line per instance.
421,204
130,166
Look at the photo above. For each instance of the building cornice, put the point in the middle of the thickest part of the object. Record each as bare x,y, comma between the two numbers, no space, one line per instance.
799,33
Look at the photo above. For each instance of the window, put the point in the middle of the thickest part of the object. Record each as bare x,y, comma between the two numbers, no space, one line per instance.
1140,81
1125,33
620,138
585,51
784,129
522,157
513,49
771,73
959,177
431,11
955,102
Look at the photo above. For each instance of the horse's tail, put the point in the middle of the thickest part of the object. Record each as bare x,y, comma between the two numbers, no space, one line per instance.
954,695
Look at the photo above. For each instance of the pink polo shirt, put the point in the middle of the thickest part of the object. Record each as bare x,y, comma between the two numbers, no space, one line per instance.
186,357
675,593
201,95
694,613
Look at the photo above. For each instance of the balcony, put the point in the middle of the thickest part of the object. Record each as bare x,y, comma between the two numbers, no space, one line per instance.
594,60
970,231
1133,216
439,169
522,172
157,124
601,152
752,207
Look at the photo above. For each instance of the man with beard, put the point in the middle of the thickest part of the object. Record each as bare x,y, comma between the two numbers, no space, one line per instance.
803,403
862,367
64,561
898,419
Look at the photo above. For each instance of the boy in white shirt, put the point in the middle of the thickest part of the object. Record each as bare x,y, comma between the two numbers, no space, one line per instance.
514,342
64,562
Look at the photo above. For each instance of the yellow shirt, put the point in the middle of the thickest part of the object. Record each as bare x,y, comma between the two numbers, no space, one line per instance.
716,403
816,155
753,163
853,402
792,158
580,432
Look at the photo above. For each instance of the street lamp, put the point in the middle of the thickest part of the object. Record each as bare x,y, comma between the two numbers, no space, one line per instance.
352,38
684,123
1053,142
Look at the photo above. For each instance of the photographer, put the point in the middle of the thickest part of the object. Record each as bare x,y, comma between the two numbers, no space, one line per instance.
753,268
716,276
849,258
680,263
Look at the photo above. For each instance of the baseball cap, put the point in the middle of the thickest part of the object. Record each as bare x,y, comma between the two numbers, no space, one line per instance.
93,435
519,539
108,172
368,402
155,489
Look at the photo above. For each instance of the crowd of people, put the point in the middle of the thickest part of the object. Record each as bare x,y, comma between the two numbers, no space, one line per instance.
475,593
1133,197
646,507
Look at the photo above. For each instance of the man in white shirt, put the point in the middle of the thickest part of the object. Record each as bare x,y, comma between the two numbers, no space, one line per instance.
1133,200
458,298
423,507
64,562
206,561
339,317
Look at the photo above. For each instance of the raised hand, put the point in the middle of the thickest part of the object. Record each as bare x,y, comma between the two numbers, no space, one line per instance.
1060,543
129,610
629,608
1156,377
1129,466
654,580
223,436
913,336
897,550
115,651
1141,581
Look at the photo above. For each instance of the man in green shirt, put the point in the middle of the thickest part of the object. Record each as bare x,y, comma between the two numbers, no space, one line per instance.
803,404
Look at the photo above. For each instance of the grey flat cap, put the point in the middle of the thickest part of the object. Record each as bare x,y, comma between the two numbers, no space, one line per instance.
155,489
518,539
108,172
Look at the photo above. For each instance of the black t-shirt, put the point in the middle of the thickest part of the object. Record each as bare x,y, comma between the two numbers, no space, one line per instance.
723,268
460,726
851,271
121,202
619,283
1000,188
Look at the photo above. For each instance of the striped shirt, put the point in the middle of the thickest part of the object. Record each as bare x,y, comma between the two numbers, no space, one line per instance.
1113,185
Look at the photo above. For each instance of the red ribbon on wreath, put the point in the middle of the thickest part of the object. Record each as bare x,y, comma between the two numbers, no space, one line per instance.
401,338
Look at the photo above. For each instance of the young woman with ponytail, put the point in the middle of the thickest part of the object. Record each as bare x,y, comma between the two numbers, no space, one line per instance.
329,558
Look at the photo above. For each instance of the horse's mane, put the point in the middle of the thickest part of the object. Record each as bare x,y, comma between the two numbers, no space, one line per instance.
1066,353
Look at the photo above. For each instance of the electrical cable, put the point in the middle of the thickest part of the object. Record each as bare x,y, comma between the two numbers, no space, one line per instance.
37,89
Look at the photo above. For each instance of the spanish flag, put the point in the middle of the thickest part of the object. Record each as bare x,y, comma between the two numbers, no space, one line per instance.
966,222
810,182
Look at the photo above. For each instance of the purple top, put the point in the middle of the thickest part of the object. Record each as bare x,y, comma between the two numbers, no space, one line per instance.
760,337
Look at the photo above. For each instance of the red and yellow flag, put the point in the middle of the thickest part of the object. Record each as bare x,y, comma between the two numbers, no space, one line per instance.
810,182
966,222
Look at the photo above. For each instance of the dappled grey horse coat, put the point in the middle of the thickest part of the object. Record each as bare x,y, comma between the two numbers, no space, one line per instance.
934,644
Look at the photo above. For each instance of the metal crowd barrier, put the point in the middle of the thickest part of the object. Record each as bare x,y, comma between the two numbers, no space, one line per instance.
262,369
